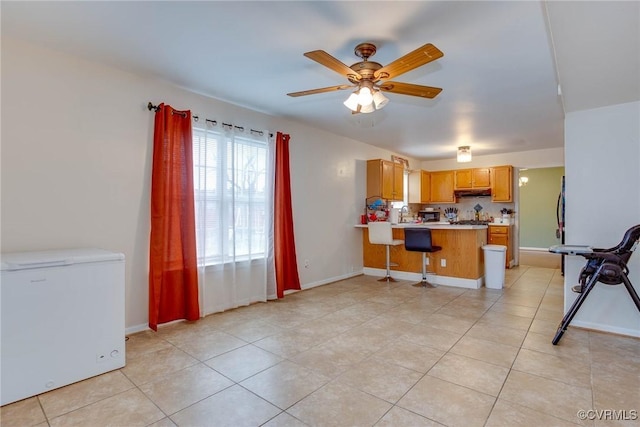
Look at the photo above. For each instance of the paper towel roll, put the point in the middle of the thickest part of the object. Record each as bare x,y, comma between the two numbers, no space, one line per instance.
394,215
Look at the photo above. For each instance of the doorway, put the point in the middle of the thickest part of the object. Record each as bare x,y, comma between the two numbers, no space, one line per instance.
539,189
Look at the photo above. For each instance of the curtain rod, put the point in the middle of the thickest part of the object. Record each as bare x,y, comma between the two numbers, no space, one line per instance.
155,108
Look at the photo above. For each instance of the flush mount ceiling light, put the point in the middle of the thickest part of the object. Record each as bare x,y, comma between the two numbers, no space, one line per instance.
464,154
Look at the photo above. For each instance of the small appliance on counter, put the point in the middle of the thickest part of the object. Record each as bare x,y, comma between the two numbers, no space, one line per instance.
429,215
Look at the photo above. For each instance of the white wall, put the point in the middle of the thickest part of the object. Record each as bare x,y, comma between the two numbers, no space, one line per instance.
602,150
76,155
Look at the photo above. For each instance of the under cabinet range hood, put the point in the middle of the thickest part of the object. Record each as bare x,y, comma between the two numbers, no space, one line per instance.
473,192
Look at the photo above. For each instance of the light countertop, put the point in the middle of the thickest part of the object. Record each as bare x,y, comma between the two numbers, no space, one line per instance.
435,226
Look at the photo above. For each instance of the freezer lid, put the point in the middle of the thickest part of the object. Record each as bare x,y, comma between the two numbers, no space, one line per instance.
54,258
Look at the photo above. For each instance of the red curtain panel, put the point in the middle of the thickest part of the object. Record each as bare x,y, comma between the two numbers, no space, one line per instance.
286,265
173,274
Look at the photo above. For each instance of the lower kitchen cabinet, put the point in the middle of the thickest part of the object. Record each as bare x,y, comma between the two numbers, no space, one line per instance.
502,235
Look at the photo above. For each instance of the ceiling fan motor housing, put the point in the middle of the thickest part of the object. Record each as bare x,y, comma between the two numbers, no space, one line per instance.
365,68
365,50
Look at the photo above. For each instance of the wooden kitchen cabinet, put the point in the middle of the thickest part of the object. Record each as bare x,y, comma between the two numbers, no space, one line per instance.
472,178
502,235
502,184
420,187
385,179
442,187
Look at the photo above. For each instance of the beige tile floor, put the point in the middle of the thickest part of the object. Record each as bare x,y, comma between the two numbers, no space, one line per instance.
360,353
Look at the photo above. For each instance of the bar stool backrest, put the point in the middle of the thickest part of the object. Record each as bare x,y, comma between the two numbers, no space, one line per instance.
418,239
380,233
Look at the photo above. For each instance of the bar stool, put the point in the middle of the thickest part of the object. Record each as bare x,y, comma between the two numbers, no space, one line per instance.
419,240
380,233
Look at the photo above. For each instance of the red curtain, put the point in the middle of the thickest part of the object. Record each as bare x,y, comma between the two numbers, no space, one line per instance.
286,265
173,274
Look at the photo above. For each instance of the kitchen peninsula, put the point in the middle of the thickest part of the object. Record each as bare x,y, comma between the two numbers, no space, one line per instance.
460,263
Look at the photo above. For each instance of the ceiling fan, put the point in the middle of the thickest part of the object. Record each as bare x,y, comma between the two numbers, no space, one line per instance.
371,79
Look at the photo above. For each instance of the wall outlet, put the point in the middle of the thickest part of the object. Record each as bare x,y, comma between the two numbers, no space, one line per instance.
443,262
306,263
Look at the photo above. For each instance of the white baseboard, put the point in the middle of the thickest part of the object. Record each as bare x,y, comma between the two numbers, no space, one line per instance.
605,328
329,280
538,257
433,278
137,328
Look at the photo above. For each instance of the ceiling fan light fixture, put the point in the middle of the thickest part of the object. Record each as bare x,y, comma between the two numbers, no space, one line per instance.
464,154
368,108
380,100
364,96
352,102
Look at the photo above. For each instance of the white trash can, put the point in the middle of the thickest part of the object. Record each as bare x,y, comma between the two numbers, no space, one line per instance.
494,265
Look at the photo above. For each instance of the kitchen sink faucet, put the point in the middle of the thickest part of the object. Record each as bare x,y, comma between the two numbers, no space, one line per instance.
403,210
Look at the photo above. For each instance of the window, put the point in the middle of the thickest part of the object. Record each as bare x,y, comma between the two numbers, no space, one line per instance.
405,192
230,183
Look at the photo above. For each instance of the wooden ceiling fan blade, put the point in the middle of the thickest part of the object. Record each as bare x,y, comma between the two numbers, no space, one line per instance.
410,89
421,56
321,90
323,58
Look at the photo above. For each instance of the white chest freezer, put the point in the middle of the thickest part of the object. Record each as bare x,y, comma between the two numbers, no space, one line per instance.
62,319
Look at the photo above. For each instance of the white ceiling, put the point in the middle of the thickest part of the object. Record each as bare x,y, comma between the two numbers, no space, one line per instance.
498,74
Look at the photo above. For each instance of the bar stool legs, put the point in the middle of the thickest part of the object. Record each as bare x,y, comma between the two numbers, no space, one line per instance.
419,240
387,277
424,283
380,233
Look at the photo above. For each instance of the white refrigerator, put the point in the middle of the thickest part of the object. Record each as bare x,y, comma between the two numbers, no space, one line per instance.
62,319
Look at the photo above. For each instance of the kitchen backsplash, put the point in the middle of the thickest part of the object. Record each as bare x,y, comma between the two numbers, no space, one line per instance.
465,207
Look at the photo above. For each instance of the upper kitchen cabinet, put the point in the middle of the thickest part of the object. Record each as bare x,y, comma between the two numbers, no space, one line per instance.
472,178
442,187
419,187
385,179
502,184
